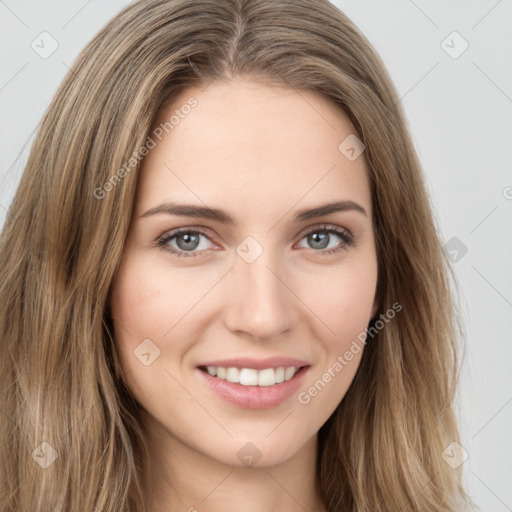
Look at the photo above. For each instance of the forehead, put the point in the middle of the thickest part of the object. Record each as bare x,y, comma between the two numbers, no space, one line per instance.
254,145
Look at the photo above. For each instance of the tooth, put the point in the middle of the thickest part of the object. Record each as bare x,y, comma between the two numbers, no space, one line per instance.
252,377
289,372
267,377
248,377
232,374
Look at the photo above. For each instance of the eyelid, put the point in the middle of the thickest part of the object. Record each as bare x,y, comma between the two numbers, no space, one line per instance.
326,227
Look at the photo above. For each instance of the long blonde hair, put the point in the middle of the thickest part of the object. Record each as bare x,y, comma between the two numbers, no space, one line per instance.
62,391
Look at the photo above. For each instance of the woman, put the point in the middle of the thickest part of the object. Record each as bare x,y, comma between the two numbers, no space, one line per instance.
222,283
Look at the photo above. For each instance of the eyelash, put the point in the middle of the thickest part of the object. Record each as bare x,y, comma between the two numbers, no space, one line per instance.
348,239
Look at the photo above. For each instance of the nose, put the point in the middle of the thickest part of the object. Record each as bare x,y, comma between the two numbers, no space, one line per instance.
260,305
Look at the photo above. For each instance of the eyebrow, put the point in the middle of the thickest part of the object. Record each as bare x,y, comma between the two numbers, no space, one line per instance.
222,216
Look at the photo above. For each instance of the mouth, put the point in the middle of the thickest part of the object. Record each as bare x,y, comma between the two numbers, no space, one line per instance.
252,376
240,383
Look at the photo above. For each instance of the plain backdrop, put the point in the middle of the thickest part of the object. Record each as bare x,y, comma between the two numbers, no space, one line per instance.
451,62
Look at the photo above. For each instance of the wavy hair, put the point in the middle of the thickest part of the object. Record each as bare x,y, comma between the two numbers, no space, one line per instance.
62,390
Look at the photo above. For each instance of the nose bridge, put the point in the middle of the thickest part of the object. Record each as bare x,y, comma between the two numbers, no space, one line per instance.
260,303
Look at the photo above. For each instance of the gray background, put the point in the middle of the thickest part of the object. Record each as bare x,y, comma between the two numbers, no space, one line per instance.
459,107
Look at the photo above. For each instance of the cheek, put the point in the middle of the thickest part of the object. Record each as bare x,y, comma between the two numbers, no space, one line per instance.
143,308
136,303
152,302
343,300
146,303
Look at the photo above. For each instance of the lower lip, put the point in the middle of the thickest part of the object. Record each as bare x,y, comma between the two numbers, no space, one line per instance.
255,397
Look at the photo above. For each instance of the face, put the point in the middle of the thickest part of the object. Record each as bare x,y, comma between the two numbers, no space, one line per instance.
240,292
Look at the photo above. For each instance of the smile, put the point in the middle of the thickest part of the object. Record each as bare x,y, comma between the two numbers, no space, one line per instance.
251,376
254,384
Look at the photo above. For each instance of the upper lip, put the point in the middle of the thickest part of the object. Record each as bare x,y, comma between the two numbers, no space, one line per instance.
257,364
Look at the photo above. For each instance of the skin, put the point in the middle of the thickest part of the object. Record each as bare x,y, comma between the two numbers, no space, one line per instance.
262,153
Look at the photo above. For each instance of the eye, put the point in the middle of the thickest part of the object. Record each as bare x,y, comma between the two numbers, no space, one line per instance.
188,242
324,238
184,242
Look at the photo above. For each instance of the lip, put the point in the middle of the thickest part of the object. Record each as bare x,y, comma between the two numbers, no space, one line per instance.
256,364
255,397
